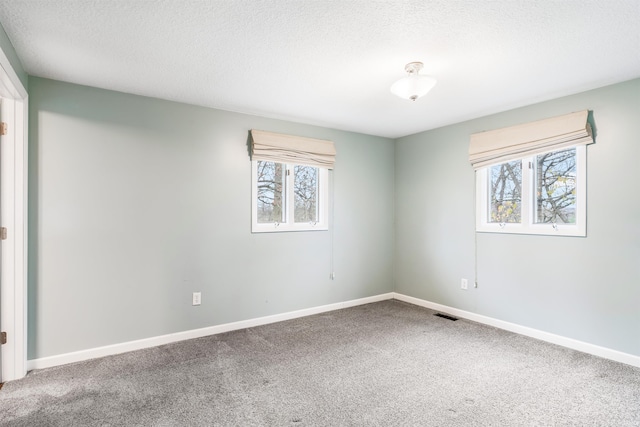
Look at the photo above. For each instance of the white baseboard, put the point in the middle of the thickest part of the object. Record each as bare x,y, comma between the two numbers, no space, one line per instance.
78,356
584,347
109,350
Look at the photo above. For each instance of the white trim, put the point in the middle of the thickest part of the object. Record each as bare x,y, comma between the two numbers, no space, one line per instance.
78,356
10,79
582,346
13,170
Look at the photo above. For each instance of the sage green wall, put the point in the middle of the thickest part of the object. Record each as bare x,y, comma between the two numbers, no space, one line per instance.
10,53
582,288
136,202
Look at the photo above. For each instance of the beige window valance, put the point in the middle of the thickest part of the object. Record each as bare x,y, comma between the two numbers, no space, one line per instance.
501,145
281,148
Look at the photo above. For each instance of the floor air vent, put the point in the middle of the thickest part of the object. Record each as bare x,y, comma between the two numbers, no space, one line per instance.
444,316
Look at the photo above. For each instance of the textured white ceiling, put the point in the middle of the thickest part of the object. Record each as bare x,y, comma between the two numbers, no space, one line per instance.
331,62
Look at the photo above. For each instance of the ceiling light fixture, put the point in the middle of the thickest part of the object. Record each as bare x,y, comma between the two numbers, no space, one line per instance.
414,85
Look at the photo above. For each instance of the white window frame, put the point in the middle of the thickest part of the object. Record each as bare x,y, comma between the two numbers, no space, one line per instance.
288,224
528,226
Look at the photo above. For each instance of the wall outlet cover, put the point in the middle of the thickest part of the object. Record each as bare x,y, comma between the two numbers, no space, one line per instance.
197,298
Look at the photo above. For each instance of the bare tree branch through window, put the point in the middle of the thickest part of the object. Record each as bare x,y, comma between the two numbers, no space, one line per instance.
506,192
556,187
305,187
270,192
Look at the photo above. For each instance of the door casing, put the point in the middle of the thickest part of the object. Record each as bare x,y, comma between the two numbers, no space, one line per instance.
13,216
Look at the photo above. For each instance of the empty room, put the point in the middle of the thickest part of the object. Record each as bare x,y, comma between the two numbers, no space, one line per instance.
319,213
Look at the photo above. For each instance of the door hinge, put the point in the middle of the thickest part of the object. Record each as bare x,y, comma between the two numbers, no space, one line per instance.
3,337
3,233
3,128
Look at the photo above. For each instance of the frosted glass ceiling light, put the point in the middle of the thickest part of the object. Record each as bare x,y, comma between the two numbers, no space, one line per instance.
414,85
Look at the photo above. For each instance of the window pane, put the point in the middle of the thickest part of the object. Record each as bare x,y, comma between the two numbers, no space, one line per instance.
505,191
305,187
270,192
556,187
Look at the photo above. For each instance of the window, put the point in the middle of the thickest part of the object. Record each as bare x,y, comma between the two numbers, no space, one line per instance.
531,178
539,194
289,182
288,197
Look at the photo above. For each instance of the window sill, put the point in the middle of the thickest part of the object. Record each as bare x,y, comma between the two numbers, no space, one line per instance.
541,230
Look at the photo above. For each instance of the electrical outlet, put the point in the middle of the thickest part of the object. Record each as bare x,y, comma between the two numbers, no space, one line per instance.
197,298
464,284
332,276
